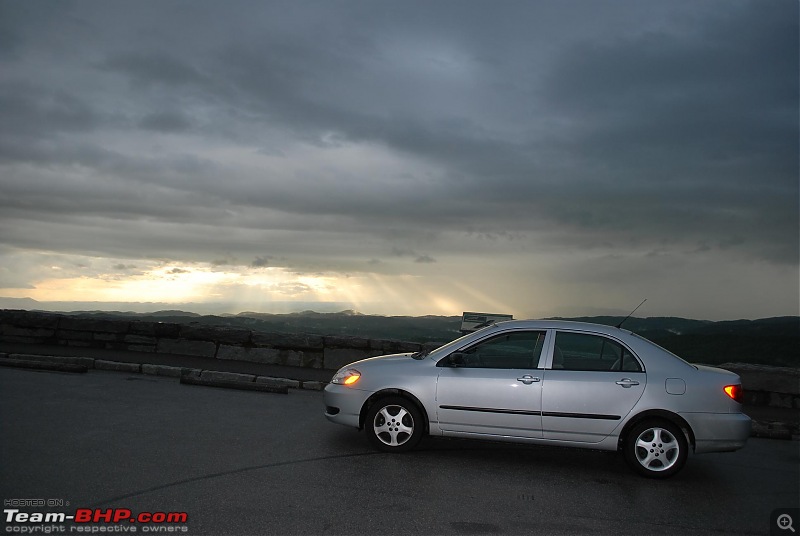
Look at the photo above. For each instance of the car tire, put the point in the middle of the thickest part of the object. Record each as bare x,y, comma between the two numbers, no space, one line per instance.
656,448
394,424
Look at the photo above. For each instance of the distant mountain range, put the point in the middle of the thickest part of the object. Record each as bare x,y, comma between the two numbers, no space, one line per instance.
214,308
771,341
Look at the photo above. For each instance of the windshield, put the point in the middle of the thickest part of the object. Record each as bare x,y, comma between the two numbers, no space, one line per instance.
452,345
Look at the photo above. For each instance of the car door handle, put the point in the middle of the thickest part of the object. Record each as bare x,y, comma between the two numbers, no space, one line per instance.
627,382
528,379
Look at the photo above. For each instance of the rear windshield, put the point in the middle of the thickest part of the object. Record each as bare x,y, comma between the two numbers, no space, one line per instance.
651,343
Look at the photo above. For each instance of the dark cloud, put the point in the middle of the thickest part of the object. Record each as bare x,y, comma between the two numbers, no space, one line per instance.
31,113
261,262
334,133
166,122
398,252
146,69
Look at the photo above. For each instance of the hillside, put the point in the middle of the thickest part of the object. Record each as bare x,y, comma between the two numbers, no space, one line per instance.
769,341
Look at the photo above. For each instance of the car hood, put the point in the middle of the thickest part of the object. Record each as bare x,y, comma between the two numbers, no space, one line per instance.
382,359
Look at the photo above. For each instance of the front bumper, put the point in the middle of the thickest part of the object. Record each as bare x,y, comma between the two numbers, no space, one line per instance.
343,404
718,432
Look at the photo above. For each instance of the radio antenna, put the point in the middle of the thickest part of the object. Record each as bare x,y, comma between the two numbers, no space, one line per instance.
627,317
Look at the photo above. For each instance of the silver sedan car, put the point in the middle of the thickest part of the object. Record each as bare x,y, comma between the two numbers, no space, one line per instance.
548,382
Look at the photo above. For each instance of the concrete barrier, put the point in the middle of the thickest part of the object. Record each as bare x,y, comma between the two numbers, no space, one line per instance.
299,350
768,386
763,385
190,376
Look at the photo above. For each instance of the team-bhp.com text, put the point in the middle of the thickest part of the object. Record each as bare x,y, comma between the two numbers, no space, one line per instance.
93,521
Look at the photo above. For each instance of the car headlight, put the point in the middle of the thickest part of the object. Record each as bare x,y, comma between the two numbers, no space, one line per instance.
347,377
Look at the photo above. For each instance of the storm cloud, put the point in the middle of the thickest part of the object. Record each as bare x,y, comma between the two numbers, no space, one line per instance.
604,150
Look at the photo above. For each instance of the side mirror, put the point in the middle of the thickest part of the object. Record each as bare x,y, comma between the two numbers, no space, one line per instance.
456,359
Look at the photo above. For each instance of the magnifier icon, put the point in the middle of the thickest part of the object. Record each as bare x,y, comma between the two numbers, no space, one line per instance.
785,522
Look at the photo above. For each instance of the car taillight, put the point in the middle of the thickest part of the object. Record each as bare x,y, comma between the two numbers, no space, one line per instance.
734,391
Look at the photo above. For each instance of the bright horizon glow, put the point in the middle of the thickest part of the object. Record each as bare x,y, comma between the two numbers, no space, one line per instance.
246,287
229,289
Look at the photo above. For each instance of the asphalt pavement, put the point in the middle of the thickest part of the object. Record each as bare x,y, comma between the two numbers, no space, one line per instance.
770,421
238,462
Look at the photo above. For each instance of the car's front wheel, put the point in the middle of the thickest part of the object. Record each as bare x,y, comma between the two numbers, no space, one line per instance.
394,424
656,448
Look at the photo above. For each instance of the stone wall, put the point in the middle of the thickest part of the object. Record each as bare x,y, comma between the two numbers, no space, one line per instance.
768,386
763,385
301,350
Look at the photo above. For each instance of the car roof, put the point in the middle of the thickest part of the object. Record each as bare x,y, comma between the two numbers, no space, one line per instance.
561,324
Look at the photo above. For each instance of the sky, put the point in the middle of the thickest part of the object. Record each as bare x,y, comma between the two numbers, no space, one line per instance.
536,158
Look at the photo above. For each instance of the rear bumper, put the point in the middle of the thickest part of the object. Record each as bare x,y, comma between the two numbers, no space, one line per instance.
718,432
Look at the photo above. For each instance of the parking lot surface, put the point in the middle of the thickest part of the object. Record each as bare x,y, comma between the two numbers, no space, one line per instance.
260,463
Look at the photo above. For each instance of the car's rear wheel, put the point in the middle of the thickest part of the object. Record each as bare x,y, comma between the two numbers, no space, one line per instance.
656,448
394,424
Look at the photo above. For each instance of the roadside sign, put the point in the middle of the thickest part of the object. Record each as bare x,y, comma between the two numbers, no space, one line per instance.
473,321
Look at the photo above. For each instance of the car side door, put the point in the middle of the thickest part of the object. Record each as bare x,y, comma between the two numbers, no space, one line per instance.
592,382
493,387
